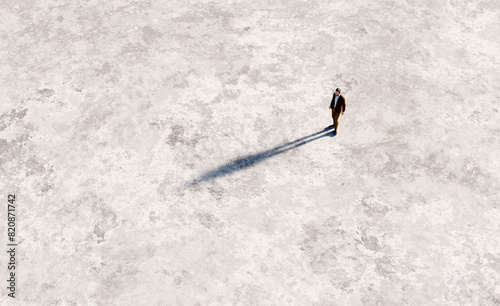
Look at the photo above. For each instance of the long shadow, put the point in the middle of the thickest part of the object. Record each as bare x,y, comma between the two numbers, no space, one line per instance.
251,160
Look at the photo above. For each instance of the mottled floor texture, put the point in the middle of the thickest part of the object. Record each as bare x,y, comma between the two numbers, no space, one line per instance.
174,152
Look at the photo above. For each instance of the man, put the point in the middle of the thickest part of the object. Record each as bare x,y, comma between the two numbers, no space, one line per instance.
338,107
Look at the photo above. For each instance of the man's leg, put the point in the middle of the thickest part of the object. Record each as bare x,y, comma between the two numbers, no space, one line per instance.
333,117
336,121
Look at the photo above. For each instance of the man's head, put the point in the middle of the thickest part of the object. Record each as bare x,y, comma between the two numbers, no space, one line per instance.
337,92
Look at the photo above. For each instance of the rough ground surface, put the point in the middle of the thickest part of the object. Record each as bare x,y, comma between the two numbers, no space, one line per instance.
172,153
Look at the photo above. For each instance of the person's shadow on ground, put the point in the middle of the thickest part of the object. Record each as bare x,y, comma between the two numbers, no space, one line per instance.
250,160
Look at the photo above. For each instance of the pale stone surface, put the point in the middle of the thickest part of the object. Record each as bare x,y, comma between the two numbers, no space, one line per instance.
156,150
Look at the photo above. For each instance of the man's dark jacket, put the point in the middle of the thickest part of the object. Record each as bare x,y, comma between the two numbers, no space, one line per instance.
340,107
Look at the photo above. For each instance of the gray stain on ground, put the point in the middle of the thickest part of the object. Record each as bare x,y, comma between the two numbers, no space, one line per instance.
251,160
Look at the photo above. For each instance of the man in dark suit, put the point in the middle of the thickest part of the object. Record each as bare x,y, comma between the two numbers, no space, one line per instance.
338,107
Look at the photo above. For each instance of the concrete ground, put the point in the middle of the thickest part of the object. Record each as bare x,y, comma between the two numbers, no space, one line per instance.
174,152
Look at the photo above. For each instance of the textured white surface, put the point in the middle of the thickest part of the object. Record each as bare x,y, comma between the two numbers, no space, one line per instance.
156,150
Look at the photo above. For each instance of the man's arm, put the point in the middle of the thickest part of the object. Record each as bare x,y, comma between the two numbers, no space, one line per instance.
343,106
331,103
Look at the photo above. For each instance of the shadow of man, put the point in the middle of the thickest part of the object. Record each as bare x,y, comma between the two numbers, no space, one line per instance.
251,160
